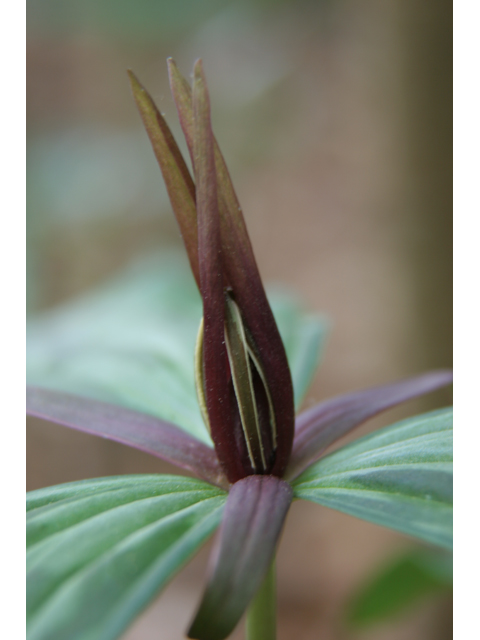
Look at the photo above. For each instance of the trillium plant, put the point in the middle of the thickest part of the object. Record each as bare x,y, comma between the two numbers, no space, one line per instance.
100,550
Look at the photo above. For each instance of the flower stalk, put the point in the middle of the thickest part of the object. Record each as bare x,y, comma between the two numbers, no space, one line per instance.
261,622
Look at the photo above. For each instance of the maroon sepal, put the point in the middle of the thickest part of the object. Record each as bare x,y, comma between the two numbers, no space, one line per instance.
139,430
328,421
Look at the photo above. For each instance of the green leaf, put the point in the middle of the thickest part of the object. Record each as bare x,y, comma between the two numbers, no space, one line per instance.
131,342
303,335
399,585
399,477
100,550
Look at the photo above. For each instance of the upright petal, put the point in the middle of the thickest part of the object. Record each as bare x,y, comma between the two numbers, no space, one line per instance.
241,273
215,362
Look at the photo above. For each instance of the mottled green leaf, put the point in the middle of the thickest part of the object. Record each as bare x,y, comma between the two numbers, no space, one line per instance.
131,342
99,550
304,337
399,477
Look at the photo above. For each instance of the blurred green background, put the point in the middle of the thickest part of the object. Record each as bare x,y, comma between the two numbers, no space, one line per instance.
335,119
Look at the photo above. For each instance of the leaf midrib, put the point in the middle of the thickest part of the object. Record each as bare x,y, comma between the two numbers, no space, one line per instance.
344,453
88,494
366,470
112,509
374,494
96,485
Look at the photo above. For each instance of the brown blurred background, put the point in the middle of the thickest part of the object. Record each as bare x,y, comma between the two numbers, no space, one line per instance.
335,119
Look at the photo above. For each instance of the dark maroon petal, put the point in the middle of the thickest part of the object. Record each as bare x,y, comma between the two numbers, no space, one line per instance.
218,398
243,276
328,421
178,181
244,548
139,430
182,96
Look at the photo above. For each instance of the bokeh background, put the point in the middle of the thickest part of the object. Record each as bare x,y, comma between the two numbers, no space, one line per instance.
335,119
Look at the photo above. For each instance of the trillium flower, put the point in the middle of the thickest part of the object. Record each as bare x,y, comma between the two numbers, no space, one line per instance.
263,456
